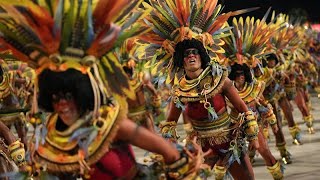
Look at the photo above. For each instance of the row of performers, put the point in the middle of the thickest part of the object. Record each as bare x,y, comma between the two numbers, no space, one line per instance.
230,82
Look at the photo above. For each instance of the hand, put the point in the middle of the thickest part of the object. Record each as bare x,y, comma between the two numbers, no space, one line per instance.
254,144
275,128
195,159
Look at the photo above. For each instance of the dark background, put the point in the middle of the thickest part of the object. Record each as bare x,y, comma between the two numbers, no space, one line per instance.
309,10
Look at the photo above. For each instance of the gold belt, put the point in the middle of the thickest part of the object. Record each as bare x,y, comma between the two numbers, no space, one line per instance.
203,125
213,137
214,133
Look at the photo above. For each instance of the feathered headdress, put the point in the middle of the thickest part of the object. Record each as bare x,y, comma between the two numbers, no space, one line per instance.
71,34
132,54
291,40
247,43
74,34
298,42
173,21
278,43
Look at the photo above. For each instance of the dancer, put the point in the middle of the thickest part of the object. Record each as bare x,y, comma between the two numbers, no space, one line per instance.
82,85
245,49
187,58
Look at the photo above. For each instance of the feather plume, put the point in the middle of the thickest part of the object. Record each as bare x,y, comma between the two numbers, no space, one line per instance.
173,21
248,41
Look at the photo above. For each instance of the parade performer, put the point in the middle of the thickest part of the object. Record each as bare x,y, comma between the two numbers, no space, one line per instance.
300,56
302,97
286,86
186,35
271,94
140,111
81,83
16,87
281,61
251,93
248,48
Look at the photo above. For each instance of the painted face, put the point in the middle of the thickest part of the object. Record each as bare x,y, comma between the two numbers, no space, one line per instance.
191,60
271,63
240,78
65,106
257,72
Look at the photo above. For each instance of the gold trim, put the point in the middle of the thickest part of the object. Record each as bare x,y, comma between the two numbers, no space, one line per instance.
216,132
60,160
138,109
206,124
267,76
4,86
252,91
187,90
8,119
213,137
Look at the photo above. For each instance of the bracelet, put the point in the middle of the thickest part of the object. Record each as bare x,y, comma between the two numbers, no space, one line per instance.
272,119
251,130
179,168
169,130
17,152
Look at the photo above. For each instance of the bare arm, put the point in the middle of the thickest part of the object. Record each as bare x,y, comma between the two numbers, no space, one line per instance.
7,134
174,112
230,91
141,137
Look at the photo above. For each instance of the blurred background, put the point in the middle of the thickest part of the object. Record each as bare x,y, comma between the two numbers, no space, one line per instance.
305,10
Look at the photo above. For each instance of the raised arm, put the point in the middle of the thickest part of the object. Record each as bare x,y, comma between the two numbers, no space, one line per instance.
173,113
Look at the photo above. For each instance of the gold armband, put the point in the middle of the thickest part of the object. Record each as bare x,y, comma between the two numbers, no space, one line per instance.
270,116
219,171
169,130
272,119
17,152
250,126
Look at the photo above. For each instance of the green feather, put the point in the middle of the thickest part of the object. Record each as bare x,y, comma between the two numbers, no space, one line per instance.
67,28
213,17
167,16
198,13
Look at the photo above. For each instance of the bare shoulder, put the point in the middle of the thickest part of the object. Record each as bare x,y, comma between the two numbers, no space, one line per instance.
227,84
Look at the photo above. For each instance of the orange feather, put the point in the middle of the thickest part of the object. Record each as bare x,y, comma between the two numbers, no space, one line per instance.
100,14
